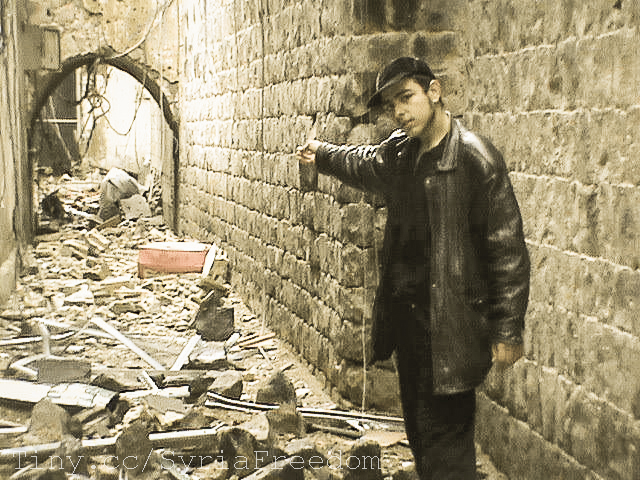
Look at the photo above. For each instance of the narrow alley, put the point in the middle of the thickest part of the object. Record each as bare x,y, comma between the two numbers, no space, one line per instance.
182,279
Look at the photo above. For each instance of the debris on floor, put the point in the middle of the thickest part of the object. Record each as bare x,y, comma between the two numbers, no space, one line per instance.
125,354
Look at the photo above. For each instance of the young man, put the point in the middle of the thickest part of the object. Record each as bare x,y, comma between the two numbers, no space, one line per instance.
455,269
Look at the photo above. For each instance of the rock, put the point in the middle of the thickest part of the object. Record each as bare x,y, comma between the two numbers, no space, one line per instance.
229,384
135,207
166,410
133,448
98,272
277,389
216,470
96,241
286,419
197,380
124,306
364,461
238,448
103,470
322,473
406,472
195,419
49,423
74,248
287,469
306,449
212,322
69,457
209,356
258,426
118,380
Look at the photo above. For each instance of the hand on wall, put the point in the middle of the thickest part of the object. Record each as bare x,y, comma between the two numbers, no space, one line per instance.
504,355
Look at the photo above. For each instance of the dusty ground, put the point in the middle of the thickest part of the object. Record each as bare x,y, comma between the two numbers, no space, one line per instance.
155,313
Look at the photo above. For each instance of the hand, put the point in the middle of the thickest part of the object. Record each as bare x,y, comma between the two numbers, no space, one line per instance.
307,153
505,354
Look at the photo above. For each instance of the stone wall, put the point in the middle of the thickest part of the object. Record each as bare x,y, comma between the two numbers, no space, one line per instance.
255,79
15,224
554,84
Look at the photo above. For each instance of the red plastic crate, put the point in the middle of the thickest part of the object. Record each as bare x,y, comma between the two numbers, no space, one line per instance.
172,257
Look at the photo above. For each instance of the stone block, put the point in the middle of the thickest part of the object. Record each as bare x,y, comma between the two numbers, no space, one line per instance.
209,355
286,419
357,221
519,452
382,390
277,389
49,423
229,383
351,266
61,370
364,461
74,248
237,448
355,304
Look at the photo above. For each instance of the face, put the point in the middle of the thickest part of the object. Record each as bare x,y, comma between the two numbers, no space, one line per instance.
411,106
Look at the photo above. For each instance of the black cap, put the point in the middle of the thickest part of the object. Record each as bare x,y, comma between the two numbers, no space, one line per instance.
397,70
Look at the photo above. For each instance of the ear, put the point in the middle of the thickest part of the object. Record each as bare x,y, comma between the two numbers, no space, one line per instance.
435,91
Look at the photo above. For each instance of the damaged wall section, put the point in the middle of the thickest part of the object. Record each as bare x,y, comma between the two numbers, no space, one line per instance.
15,207
138,37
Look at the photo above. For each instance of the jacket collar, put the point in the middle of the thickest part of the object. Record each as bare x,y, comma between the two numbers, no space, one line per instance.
449,159
452,142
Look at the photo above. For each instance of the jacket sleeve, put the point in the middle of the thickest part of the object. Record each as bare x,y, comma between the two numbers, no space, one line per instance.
361,167
508,265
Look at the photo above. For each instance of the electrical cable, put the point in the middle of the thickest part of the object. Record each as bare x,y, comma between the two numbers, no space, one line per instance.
159,10
364,299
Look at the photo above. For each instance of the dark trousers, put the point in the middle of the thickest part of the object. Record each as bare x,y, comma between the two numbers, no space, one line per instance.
440,428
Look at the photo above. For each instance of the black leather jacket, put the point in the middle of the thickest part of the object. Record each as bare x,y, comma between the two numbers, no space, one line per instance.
479,264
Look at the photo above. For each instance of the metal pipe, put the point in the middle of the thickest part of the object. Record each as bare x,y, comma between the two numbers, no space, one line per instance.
221,400
46,339
128,343
184,355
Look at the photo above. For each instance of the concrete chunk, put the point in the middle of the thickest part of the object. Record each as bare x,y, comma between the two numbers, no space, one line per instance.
276,389
286,419
229,384
209,355
135,207
364,461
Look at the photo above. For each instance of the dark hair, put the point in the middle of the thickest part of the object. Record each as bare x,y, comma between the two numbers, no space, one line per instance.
425,82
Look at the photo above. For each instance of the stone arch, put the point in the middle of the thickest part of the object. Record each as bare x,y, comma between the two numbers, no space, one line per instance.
150,80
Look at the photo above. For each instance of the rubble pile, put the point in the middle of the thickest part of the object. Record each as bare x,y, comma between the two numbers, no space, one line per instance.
113,368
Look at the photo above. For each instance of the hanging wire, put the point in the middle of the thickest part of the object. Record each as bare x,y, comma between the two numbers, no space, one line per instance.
158,15
364,291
